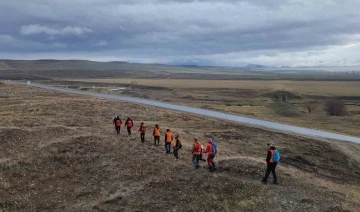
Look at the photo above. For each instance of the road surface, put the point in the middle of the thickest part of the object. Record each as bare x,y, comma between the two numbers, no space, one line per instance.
214,114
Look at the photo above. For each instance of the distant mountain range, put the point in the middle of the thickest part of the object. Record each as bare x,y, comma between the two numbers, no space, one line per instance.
50,64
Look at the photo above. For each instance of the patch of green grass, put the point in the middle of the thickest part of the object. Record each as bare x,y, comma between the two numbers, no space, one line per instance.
285,109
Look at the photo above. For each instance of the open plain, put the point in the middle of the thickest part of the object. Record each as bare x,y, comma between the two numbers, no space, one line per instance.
252,98
60,152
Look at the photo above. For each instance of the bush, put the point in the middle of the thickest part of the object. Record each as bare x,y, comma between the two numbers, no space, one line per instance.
285,109
335,107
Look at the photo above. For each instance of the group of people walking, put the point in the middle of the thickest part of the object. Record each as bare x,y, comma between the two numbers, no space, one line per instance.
198,150
272,158
169,137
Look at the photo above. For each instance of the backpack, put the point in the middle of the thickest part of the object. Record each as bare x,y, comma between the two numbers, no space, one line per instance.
276,157
214,148
180,145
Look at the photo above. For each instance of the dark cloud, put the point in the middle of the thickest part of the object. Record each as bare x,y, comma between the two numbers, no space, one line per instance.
229,32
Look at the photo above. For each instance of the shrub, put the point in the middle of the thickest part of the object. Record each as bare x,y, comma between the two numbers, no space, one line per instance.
290,95
285,109
311,105
335,107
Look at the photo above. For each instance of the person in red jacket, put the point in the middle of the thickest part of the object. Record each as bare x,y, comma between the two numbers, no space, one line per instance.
211,155
129,124
142,131
117,122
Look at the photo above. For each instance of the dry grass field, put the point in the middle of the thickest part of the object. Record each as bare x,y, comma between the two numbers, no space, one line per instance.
59,152
322,88
256,99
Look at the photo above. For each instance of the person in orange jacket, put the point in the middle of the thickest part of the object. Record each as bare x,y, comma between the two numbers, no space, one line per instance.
157,134
117,123
142,131
177,145
271,164
211,155
196,151
168,139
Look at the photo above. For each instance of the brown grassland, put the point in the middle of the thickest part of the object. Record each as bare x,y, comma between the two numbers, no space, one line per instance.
323,88
59,152
251,98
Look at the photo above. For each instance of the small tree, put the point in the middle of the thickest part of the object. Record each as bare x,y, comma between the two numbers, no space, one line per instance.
335,107
311,105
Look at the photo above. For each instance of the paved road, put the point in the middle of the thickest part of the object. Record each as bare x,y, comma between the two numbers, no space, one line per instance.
214,114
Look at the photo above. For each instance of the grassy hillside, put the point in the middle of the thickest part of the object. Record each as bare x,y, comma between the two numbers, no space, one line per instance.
66,157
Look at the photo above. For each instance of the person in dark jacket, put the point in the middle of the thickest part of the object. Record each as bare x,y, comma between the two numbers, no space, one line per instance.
177,146
129,124
271,165
117,122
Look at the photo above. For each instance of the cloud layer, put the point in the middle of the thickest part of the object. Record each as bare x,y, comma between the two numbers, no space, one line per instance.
227,32
34,29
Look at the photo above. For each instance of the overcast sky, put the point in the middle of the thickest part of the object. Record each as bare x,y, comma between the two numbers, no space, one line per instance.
213,32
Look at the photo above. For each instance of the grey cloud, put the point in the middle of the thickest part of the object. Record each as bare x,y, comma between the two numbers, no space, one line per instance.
200,29
68,30
101,43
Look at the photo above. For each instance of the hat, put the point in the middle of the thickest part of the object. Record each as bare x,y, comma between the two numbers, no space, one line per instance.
195,139
176,136
270,145
210,140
